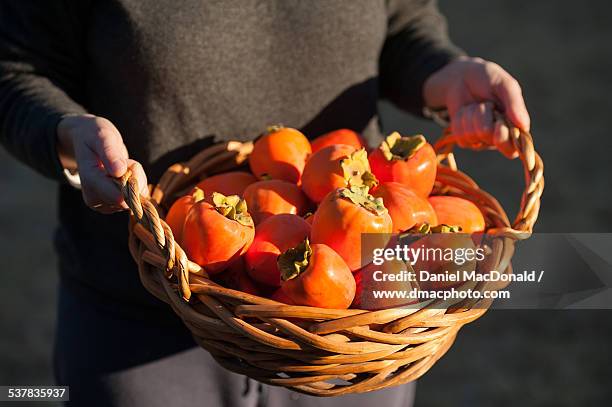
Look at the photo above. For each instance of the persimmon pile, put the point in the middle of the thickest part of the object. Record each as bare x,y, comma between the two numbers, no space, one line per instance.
291,227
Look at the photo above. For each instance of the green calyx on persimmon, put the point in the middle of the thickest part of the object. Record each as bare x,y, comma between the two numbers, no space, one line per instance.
396,147
418,232
273,128
426,229
333,167
232,207
295,260
316,276
411,161
175,218
356,169
197,194
360,196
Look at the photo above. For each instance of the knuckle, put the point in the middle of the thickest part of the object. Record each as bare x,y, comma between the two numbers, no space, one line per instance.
102,122
511,81
104,129
99,139
107,145
491,66
99,136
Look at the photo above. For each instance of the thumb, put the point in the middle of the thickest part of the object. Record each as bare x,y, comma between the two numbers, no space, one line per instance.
108,146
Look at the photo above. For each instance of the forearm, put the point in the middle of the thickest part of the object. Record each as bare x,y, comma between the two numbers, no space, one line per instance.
417,46
41,64
31,107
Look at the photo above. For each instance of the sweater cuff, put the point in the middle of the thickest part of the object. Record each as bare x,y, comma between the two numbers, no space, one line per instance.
51,164
56,169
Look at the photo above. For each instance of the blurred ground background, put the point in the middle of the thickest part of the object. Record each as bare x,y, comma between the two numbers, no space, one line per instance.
560,52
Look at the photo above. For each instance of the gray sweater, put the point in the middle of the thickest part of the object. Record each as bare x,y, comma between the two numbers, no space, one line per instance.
175,75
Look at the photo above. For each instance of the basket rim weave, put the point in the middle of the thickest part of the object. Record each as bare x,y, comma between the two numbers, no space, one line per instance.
321,352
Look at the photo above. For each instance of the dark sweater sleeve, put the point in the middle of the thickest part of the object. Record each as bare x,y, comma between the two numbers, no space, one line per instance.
417,45
40,77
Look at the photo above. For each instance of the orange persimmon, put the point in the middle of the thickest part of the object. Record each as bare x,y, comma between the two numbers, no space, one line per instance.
227,183
273,236
215,235
316,276
408,160
391,276
405,207
340,136
178,212
280,154
273,197
236,278
344,216
449,253
452,210
335,166
280,296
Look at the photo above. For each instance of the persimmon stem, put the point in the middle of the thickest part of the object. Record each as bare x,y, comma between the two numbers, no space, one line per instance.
414,234
232,207
356,169
294,261
197,195
359,196
397,147
426,229
274,128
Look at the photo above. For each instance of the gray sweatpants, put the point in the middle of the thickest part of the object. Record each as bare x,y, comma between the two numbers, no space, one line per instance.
111,360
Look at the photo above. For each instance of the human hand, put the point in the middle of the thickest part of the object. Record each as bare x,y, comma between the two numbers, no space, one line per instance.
93,146
470,89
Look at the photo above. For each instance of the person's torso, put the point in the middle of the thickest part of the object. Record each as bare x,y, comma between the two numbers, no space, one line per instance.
171,73
168,73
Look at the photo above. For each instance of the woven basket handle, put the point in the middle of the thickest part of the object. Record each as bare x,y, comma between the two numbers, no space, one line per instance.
522,144
145,213
146,210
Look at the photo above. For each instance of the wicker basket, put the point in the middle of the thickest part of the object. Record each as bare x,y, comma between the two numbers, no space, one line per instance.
320,352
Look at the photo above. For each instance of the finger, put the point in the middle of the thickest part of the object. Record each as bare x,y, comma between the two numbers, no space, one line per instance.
457,127
501,139
470,136
483,123
108,145
106,209
96,184
457,123
456,99
509,93
100,190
